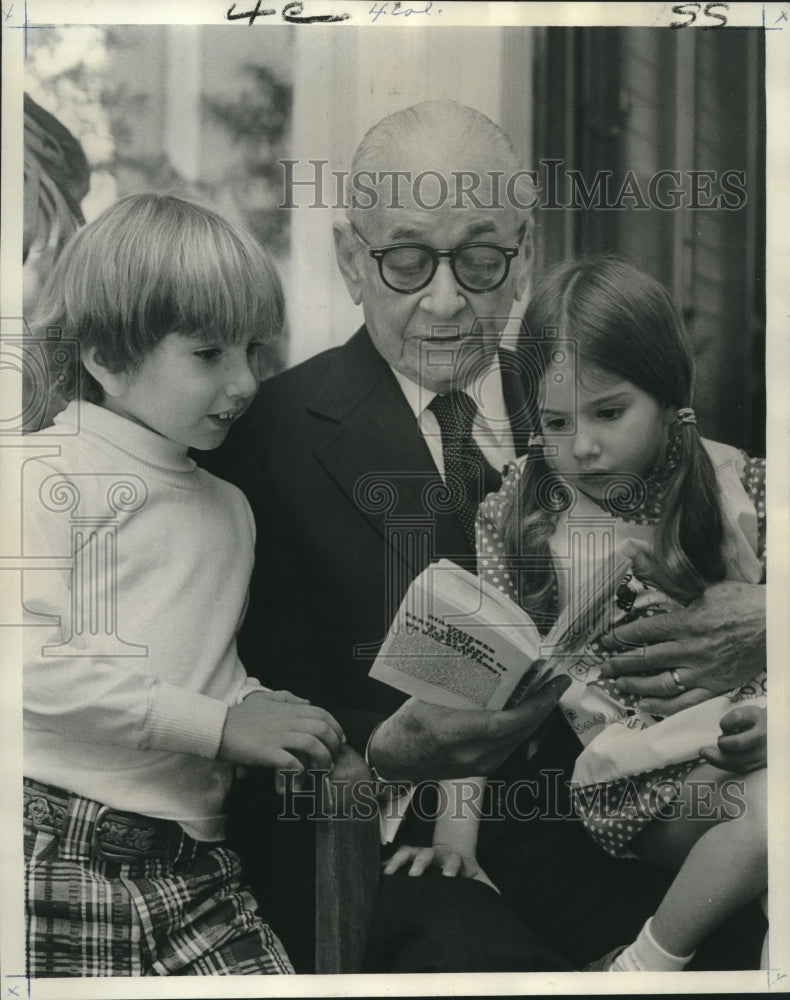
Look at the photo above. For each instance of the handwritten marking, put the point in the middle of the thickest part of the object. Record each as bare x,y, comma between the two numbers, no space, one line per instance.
779,976
782,17
398,9
291,12
12,991
7,15
251,14
691,10
296,17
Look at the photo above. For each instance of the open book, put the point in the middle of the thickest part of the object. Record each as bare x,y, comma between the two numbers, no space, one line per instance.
458,641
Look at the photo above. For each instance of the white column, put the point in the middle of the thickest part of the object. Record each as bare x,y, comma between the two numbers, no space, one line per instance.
344,82
183,89
320,313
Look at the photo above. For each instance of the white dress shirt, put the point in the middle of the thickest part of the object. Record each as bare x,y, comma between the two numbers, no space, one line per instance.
491,428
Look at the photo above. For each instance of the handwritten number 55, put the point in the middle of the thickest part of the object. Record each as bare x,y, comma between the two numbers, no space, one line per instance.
691,10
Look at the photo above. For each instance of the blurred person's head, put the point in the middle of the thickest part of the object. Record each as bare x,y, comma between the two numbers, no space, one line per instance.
57,178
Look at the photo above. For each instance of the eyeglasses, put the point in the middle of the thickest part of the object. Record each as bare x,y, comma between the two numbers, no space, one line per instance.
410,267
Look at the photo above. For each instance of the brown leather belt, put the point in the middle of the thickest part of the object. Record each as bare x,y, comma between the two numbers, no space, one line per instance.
112,835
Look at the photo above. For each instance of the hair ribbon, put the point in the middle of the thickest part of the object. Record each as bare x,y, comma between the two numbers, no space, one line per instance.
686,416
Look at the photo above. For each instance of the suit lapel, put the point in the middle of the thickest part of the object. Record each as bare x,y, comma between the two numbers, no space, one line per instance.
369,442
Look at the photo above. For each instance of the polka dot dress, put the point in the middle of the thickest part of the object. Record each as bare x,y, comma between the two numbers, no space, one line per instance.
491,552
753,481
615,812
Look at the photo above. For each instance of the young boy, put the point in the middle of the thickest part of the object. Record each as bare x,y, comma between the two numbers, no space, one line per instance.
136,707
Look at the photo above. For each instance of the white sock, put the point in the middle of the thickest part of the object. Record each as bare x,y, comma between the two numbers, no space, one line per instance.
647,955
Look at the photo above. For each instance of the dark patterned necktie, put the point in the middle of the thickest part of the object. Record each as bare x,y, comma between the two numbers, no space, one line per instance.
467,474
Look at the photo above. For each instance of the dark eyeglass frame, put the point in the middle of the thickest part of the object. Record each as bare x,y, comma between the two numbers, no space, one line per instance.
378,254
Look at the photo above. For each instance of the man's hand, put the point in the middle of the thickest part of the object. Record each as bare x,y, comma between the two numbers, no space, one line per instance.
713,645
743,745
277,729
422,741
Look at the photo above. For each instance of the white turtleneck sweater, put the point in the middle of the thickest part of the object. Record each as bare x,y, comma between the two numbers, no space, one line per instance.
129,673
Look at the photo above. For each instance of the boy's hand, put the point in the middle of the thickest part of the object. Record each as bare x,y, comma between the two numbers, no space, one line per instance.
451,862
277,729
743,745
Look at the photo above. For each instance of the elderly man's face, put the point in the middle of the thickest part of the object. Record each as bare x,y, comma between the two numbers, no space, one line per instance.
442,334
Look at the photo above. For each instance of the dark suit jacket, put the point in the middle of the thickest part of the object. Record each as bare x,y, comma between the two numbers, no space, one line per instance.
339,477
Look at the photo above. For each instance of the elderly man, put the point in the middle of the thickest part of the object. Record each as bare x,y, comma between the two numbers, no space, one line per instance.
340,458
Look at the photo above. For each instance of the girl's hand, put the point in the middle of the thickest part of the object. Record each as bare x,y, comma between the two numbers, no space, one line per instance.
743,745
451,862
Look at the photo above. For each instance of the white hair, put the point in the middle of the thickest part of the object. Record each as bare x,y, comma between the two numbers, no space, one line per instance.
441,124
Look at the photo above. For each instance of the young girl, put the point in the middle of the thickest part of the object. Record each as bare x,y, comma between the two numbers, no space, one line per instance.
136,707
619,471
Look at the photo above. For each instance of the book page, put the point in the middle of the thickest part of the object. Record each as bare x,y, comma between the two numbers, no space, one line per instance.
456,642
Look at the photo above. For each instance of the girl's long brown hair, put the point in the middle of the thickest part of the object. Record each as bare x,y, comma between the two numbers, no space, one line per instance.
622,321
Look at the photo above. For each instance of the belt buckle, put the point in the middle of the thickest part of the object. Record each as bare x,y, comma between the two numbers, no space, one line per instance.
118,852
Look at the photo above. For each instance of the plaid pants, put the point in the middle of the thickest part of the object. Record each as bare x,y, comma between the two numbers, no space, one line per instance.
180,909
